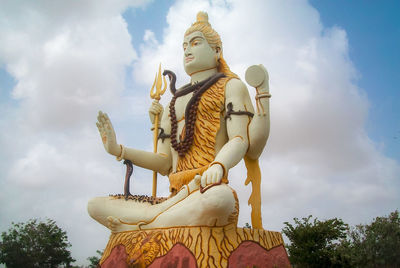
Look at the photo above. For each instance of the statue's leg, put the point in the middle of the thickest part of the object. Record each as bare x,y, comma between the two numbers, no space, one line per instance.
100,208
125,215
218,206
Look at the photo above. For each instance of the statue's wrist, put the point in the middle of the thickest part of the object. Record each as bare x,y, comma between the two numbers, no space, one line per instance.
121,155
261,95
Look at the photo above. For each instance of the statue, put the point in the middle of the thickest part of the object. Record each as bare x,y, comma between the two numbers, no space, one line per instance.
207,128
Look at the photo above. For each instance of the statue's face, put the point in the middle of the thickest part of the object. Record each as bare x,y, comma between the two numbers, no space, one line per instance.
198,54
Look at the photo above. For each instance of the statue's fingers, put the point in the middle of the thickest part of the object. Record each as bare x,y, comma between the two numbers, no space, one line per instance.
212,178
215,177
109,126
209,180
99,115
204,179
98,126
101,118
159,106
156,107
112,222
152,110
197,179
106,118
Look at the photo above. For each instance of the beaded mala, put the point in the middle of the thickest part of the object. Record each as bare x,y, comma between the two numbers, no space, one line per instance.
190,112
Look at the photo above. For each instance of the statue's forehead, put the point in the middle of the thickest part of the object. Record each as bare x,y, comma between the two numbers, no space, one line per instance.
189,37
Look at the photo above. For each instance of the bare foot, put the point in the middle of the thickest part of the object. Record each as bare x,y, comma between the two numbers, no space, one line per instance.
113,224
116,226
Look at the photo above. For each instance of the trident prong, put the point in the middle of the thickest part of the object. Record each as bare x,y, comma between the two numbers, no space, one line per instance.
156,92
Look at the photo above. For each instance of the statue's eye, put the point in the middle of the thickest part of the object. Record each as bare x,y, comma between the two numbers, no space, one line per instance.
195,43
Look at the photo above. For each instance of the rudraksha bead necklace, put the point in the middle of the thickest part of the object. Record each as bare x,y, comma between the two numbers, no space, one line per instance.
190,113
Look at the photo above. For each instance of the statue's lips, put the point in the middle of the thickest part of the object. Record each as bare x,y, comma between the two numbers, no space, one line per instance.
189,59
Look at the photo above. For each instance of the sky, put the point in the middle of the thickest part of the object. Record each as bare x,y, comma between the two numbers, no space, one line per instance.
334,68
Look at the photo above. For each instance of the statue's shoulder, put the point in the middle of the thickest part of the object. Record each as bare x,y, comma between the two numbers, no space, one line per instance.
235,87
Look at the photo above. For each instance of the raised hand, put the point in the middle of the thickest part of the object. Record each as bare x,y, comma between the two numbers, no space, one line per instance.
155,109
107,134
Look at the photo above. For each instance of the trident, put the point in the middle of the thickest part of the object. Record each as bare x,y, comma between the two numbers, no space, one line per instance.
155,94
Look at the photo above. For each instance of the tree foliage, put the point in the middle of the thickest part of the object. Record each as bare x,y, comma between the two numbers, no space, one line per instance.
35,244
376,244
95,260
332,243
314,243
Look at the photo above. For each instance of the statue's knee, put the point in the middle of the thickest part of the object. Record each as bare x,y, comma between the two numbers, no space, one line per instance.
94,206
219,200
91,207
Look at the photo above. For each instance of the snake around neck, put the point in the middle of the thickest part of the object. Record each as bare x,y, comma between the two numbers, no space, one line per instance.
191,109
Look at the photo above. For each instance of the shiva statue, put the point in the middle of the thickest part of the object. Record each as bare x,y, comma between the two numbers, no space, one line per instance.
209,126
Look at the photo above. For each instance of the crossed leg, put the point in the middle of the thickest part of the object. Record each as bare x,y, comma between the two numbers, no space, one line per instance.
188,207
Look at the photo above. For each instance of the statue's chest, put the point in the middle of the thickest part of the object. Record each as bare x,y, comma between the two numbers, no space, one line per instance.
211,101
180,106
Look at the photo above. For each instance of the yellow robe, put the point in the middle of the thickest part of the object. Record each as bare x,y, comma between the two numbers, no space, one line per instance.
202,151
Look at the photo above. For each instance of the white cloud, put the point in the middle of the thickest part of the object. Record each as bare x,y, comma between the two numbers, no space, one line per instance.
69,60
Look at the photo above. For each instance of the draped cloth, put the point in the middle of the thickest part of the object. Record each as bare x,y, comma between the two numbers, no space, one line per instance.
202,152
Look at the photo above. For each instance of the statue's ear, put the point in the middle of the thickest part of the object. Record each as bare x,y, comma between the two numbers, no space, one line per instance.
218,50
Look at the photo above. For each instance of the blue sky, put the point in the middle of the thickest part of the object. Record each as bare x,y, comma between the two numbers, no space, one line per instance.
334,77
373,29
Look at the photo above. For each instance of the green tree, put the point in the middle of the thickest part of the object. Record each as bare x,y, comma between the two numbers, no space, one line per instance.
94,260
376,244
35,244
316,243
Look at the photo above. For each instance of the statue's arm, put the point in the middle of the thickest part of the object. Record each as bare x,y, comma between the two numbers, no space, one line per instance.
161,161
260,124
234,150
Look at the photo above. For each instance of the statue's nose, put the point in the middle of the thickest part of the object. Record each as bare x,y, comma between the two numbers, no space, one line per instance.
188,51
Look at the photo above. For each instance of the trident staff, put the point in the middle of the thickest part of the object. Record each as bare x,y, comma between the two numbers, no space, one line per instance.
156,93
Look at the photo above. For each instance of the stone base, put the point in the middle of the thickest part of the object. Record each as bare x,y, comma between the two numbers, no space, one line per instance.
196,247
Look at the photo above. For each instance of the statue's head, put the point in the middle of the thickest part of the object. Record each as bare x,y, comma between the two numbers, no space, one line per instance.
203,48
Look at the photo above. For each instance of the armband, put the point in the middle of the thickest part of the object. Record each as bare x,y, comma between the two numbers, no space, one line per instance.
162,135
231,111
263,95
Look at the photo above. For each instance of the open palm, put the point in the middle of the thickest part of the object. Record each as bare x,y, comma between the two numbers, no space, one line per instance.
107,134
